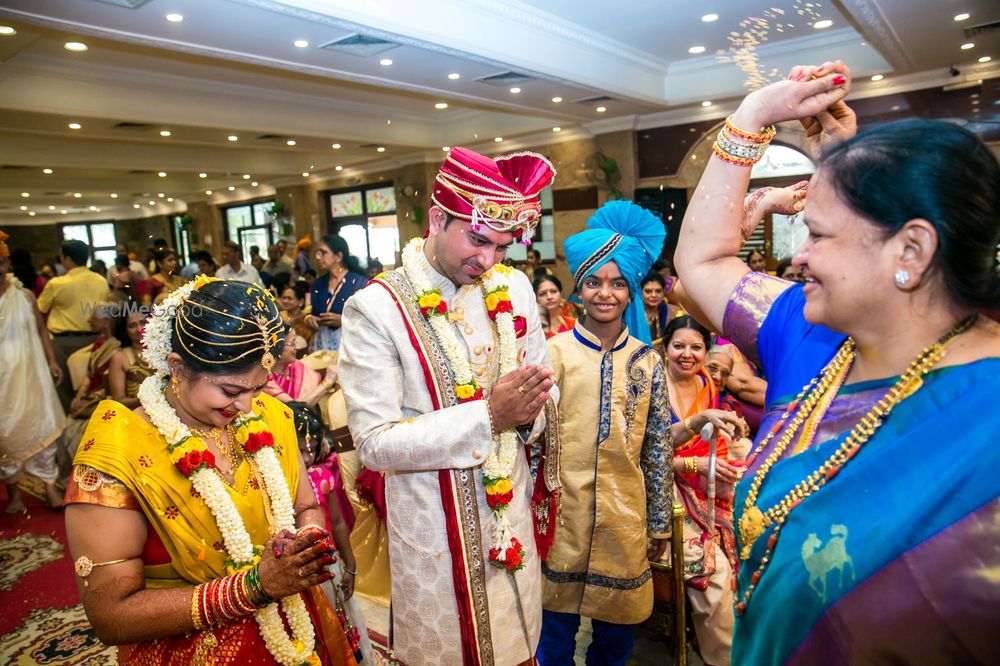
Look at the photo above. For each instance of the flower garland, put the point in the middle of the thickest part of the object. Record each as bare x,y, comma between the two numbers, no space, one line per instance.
193,459
506,551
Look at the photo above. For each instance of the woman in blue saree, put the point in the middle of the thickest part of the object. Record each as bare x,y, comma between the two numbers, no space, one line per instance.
330,292
868,517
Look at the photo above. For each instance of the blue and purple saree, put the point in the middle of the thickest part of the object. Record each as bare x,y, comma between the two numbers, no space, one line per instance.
897,559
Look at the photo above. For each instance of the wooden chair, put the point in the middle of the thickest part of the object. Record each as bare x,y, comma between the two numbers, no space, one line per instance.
668,585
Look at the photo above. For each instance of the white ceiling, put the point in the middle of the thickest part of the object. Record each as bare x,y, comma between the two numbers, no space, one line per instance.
230,68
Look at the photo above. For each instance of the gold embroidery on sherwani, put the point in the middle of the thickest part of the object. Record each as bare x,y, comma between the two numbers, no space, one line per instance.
463,480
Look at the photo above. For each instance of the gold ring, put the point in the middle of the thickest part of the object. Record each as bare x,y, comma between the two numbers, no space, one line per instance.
301,575
520,389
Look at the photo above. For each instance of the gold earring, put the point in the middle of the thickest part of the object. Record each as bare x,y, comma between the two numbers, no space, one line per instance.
175,386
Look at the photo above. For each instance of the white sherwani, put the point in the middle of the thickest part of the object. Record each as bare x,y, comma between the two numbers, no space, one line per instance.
397,430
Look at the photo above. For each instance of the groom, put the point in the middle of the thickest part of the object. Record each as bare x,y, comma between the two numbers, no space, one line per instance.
445,375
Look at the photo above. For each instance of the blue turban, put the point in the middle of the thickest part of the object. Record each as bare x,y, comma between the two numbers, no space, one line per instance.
629,235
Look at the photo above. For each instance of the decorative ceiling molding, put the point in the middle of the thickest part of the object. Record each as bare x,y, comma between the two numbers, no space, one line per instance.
870,21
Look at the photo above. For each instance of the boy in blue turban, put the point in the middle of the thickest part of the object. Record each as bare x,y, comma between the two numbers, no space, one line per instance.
616,469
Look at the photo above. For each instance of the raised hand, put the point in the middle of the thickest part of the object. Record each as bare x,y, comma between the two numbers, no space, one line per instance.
838,122
782,200
803,97
519,396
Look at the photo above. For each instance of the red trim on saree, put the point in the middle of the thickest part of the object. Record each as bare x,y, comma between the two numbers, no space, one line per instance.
470,647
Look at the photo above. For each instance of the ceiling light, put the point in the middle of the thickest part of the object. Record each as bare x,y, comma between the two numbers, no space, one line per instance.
305,174
32,213
25,194
152,203
78,47
601,109
896,107
174,18
385,62
446,148
454,76
301,43
246,176
164,132
985,59
161,195
231,188
335,146
877,77
135,205
822,24
380,149
7,31
498,139
233,137
63,212
338,168
170,199
961,17
967,46
254,183
77,195
695,50
93,208
441,105
515,90
557,129
47,171
208,192
291,142
75,126
24,208
52,207
556,100
203,175
113,195
162,174
975,101
708,18
706,103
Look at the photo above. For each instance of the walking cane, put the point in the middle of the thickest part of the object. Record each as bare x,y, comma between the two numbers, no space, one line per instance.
708,435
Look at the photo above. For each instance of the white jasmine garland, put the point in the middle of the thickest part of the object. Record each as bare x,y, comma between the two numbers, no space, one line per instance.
499,464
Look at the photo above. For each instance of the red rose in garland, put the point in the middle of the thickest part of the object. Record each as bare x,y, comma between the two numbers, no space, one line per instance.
192,461
258,440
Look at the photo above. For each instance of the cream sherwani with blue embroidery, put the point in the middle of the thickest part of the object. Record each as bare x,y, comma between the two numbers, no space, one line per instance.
616,460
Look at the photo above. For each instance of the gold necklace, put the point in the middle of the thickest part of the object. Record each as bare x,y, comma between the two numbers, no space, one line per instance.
754,522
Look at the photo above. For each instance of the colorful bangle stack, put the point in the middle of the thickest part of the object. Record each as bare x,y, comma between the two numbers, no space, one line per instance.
225,599
739,147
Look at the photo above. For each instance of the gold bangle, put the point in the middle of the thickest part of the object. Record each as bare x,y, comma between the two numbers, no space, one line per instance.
691,465
195,612
687,426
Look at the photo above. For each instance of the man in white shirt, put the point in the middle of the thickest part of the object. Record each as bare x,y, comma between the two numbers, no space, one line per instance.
233,268
135,268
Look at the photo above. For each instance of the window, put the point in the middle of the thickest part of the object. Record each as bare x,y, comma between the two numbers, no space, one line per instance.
99,236
366,219
544,238
251,224
182,240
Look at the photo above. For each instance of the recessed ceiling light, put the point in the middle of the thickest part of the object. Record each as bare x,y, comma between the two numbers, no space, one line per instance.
446,148
556,100
301,43
961,17
454,76
93,208
7,30
246,176
896,107
231,188
515,90
335,146
77,195
208,191
291,142
380,149
338,168
161,195
557,129
441,105
305,174
877,77
113,195
170,199
52,207
162,174
385,62
695,50
32,213
708,18
25,194
254,183
78,47
152,203
75,126
601,109
822,24
203,175
174,18
975,101
498,139
985,59
967,46
706,103
135,205
164,132
47,171
233,137
24,208
63,212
